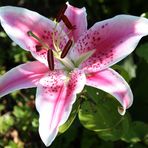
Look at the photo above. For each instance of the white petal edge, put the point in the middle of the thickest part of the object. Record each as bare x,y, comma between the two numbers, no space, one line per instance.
54,109
22,77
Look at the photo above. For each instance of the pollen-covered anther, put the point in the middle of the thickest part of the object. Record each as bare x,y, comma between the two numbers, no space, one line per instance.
68,23
50,59
66,48
61,13
38,48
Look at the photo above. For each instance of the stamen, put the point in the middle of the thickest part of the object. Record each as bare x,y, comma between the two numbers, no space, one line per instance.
68,23
56,43
66,49
61,12
31,34
38,48
50,59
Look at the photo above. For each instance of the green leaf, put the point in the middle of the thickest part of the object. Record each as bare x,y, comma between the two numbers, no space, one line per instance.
89,139
137,132
6,121
72,116
21,112
115,132
129,65
25,118
35,123
122,72
99,113
142,51
106,144
139,87
2,107
136,145
11,145
17,55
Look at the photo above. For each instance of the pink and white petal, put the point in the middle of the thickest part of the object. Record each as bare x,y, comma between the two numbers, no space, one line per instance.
23,76
54,100
18,21
113,40
78,18
111,82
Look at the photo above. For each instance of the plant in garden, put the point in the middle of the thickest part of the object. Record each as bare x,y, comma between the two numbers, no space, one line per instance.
69,57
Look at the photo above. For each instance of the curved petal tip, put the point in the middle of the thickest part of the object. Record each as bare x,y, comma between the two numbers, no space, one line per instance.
78,10
121,110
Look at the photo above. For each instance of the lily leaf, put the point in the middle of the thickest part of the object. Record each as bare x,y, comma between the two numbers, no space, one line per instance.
122,72
99,113
138,131
142,52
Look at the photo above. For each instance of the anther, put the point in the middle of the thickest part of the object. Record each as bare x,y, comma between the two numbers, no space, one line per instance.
66,49
50,59
68,23
38,48
61,13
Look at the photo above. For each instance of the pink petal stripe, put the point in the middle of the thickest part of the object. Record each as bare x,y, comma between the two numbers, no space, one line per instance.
78,18
54,100
18,21
23,76
111,82
113,40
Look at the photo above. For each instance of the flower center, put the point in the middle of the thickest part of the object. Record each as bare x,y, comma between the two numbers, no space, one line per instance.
59,54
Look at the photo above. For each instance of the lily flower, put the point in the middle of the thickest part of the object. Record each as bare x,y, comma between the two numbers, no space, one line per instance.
68,57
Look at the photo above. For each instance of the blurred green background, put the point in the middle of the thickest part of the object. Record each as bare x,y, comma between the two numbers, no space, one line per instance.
19,118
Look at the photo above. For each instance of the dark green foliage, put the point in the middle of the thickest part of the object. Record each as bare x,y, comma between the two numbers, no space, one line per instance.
99,113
